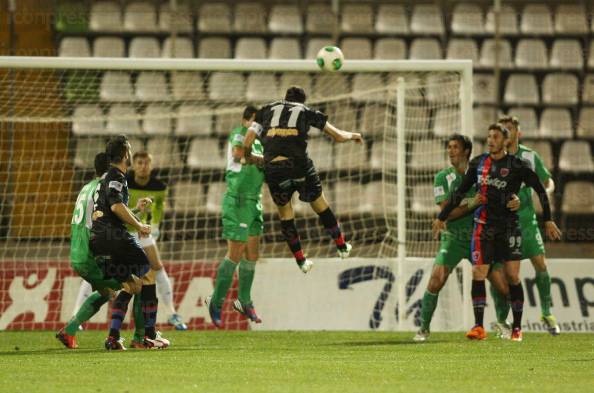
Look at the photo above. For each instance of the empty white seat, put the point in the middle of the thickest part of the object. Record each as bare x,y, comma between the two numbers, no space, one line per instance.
368,87
214,48
556,123
226,86
521,89
341,115
383,156
182,19
483,117
544,150
214,196
250,48
188,197
105,16
285,48
348,196
319,19
390,49
560,89
531,53
262,87
576,156
571,19
357,18
380,198
578,198
289,79
423,199
428,155
165,152
427,19
508,22
109,47
441,87
88,120
330,85
86,150
537,19
351,156
157,119
591,55
249,18
478,148
588,89
187,85
285,19
391,19
140,17
585,128
205,153
488,54
528,121
314,45
425,49
417,120
193,120
214,18
123,119
468,19
116,86
74,47
463,48
151,86
144,47
320,151
356,48
376,120
567,54
447,122
484,88
227,118
184,48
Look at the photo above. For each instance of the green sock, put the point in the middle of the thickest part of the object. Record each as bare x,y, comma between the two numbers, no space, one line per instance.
501,305
223,281
427,308
543,283
246,273
138,319
86,311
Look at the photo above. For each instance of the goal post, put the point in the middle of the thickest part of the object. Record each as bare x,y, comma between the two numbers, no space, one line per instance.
56,113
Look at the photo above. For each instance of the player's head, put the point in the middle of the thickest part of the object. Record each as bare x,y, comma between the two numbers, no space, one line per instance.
101,164
513,125
249,114
118,150
295,94
142,163
497,138
459,149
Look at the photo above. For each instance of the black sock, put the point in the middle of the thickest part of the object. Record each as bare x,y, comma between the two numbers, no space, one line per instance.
289,231
149,303
516,295
329,222
118,312
479,299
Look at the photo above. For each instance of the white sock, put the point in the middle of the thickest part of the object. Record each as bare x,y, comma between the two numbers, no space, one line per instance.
84,292
164,289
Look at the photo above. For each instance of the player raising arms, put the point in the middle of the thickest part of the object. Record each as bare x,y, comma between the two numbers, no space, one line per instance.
497,236
283,128
242,223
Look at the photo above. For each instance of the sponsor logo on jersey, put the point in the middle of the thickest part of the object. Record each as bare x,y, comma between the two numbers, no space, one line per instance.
116,185
438,191
282,132
504,172
492,181
475,256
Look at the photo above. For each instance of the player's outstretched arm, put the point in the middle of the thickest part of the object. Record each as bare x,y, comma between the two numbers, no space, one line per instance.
340,135
532,180
126,215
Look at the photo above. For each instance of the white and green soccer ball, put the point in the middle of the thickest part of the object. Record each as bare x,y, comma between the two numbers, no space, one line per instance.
330,58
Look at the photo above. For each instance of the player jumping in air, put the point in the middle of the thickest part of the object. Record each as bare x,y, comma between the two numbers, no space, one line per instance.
283,128
455,242
497,236
242,222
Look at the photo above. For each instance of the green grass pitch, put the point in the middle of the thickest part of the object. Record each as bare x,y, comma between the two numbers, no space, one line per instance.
343,362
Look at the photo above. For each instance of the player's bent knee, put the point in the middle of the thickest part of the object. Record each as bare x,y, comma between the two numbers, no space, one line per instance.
149,278
320,204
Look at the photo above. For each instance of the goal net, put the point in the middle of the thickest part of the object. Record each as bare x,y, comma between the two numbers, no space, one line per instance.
56,114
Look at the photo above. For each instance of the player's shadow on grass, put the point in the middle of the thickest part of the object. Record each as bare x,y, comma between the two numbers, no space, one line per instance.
390,342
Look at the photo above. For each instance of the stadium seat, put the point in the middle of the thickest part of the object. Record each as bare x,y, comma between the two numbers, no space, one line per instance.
249,18
348,196
369,88
463,48
251,48
536,19
214,48
72,17
184,48
380,198
74,47
123,119
116,86
560,89
351,156
423,200
531,53
484,88
417,120
227,118
390,49
357,18
391,19
314,45
441,88
205,153
285,48
567,54
151,86
214,196
226,86
182,19
483,117
591,56
425,49
288,79
446,122
262,87
165,152
109,47
105,16
88,120
588,89
428,155
576,156
140,17
86,150
468,19
488,54
319,19
157,119
285,18
330,85
585,128
508,22
477,148
193,120
356,48
188,197
427,19
544,150
144,47
320,151
214,18
571,19
343,116
528,121
555,123
578,198
374,121
187,86
521,89
381,150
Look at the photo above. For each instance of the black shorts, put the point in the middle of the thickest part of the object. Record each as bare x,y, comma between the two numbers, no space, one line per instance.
285,177
123,254
491,244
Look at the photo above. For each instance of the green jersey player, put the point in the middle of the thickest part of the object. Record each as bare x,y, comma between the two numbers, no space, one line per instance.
242,223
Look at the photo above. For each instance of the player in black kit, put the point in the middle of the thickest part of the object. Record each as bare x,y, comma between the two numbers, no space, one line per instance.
283,128
497,236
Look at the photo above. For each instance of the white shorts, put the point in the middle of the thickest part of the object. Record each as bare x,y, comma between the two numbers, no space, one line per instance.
145,241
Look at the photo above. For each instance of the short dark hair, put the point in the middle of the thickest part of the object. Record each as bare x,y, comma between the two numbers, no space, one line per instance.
249,111
116,148
295,94
101,164
141,154
463,140
509,119
499,127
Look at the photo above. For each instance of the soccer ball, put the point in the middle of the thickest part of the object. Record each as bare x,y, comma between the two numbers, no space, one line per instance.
330,58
